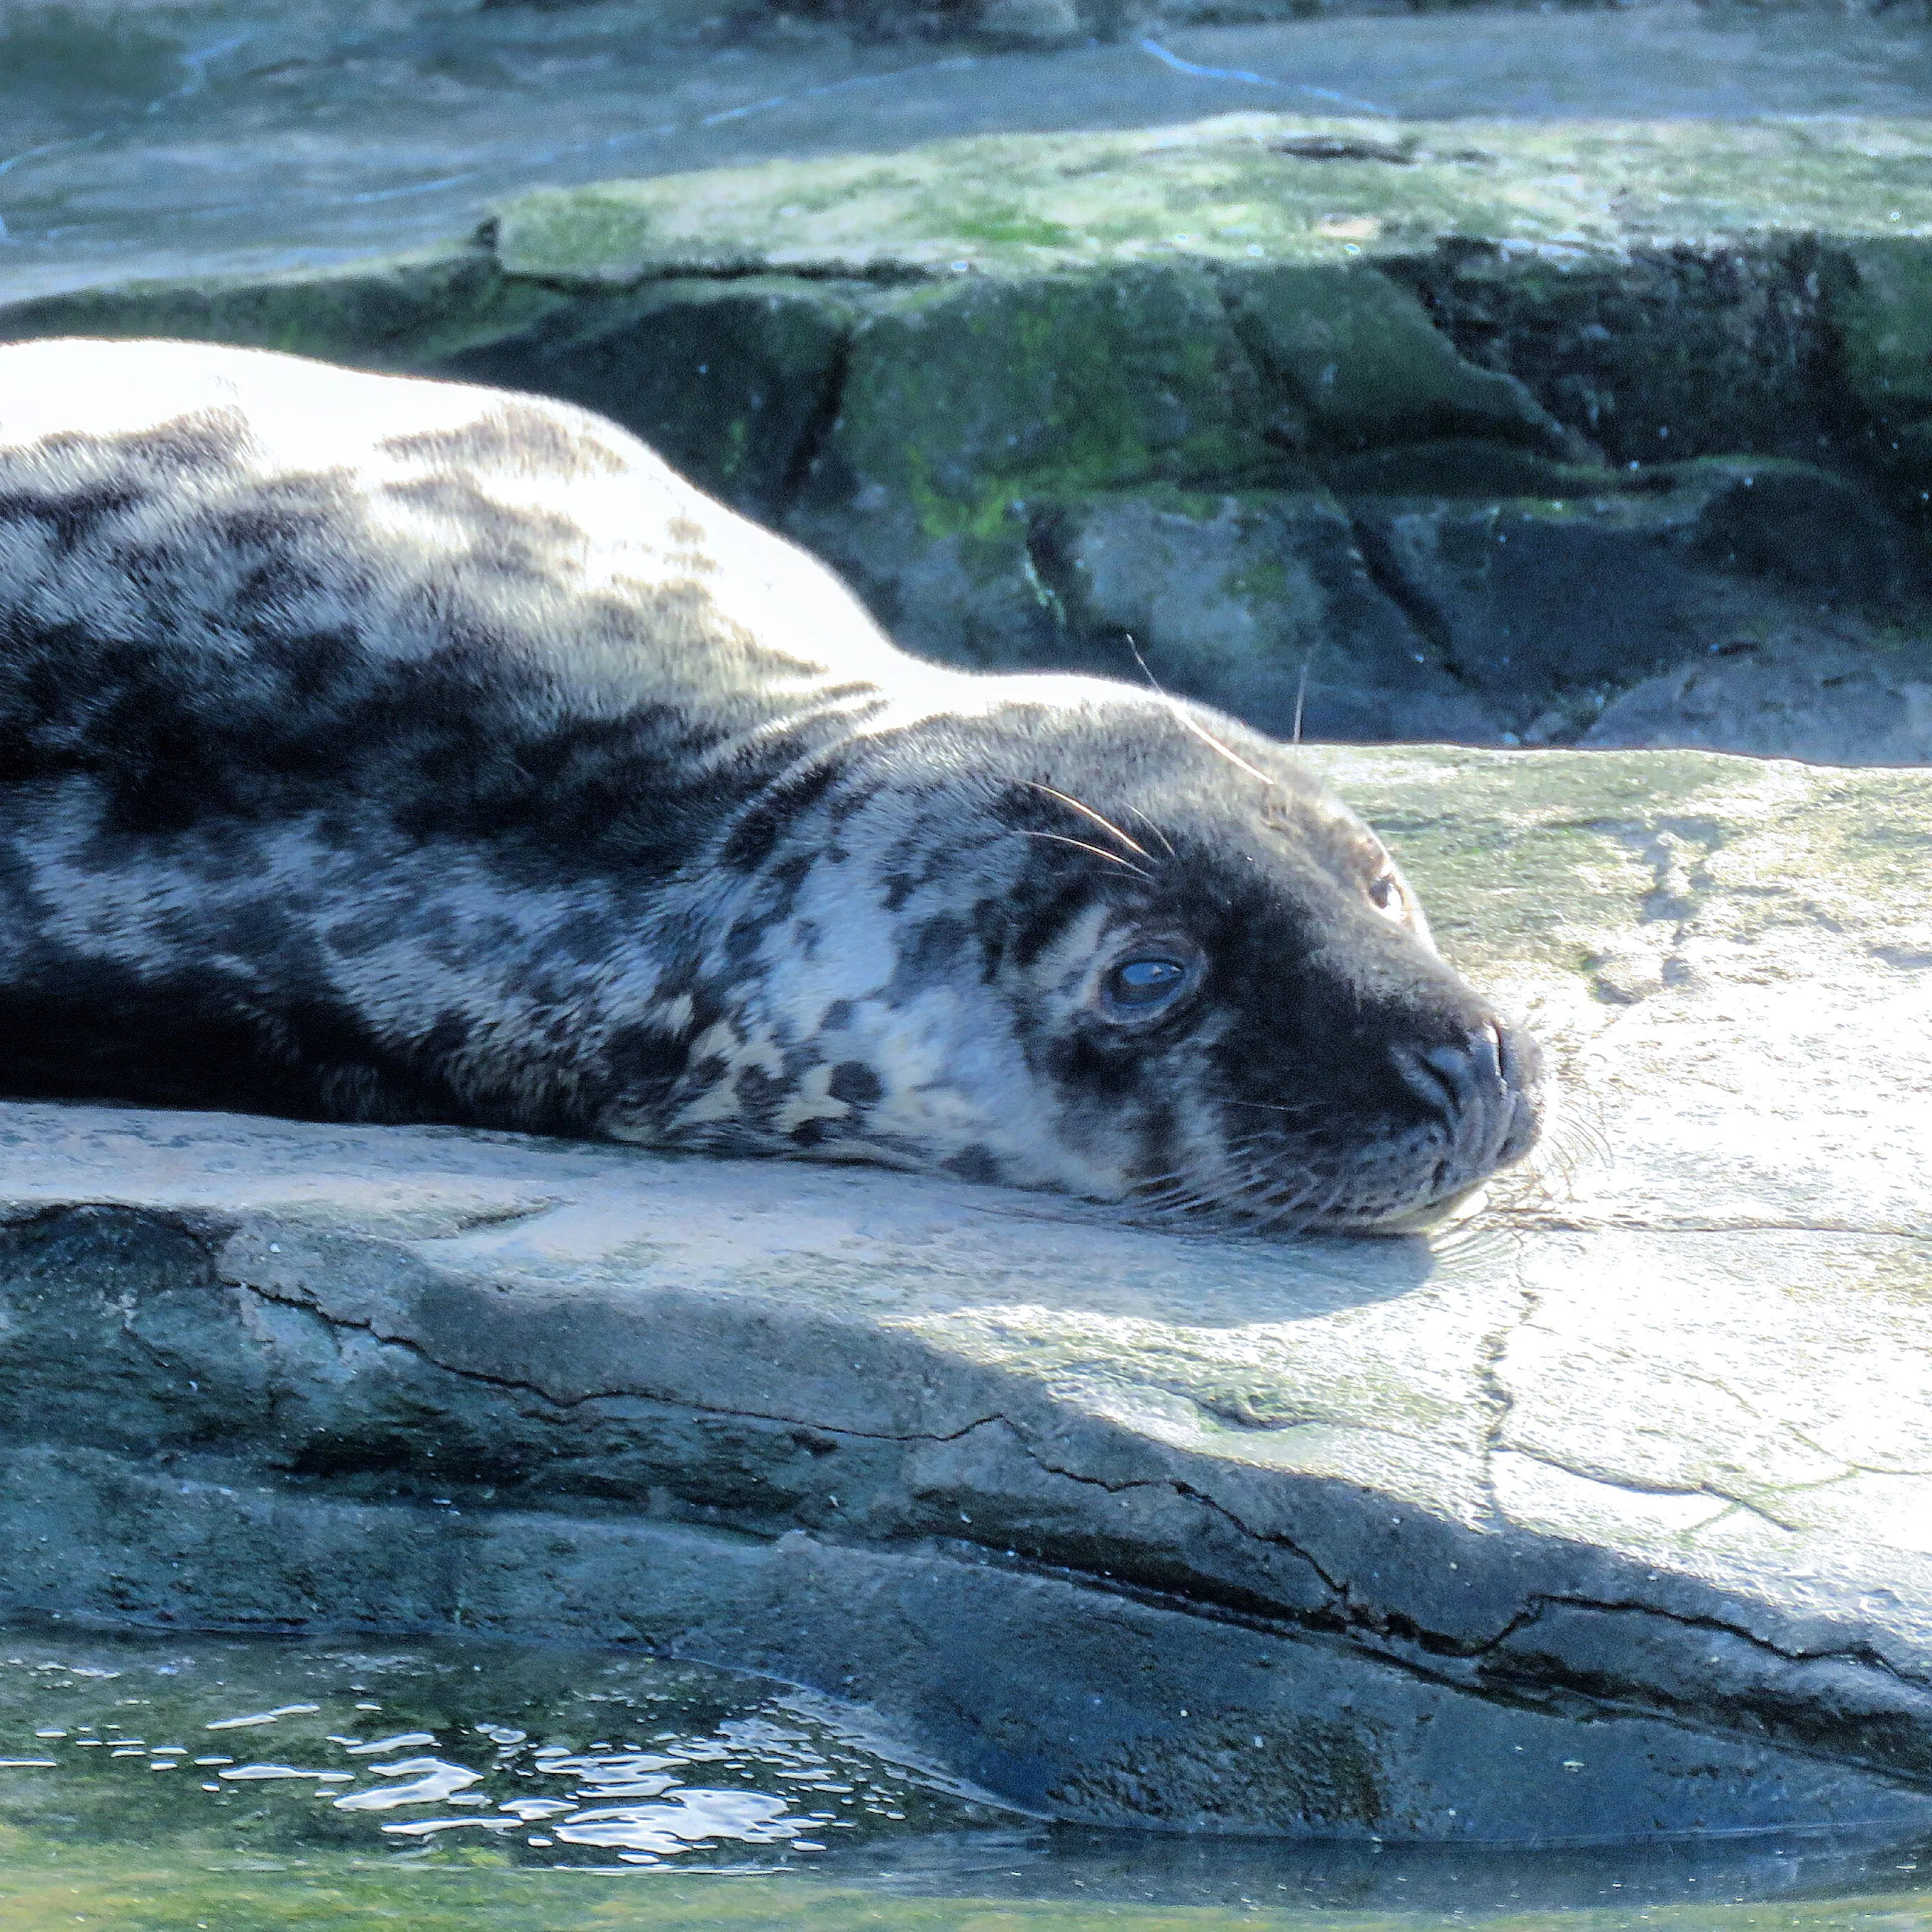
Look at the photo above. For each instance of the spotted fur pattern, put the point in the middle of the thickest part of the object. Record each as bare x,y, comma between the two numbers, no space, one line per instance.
383,749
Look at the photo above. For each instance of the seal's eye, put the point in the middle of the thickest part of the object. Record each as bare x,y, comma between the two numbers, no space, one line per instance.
1143,984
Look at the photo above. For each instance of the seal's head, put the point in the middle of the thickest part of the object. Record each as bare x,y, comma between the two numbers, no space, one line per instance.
1073,936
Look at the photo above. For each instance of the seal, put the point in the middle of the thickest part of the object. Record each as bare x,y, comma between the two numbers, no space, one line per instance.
379,749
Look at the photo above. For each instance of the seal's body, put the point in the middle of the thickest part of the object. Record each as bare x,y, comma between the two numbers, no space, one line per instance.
387,749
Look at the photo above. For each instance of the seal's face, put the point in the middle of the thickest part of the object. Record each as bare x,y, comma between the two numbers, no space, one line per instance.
1116,948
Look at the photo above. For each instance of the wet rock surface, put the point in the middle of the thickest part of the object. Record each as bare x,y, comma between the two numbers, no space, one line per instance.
1606,1515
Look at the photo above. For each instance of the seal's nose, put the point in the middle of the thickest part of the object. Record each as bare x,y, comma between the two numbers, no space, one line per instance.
1483,1090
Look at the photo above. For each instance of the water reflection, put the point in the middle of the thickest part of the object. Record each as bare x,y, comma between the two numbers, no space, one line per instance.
558,1756
279,1753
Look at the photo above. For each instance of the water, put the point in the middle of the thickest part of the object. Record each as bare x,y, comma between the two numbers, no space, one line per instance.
152,1783
158,138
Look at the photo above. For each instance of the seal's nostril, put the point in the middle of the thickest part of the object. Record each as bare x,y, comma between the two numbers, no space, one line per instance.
1465,1083
1420,1071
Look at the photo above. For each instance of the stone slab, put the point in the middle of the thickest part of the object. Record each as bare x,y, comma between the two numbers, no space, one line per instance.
1240,189
1606,1514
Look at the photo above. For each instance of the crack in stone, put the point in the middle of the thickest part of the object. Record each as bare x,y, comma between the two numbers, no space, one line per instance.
1636,1487
411,1346
1336,1587
1860,1656
1491,1352
1373,1629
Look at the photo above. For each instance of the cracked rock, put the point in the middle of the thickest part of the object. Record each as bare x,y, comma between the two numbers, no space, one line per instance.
1606,1515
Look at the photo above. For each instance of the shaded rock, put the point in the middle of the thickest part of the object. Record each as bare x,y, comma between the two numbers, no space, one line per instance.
1031,23
1530,601
1653,354
1359,359
1546,1532
1883,313
730,382
958,398
400,314
1831,699
1260,604
965,407
971,597
1465,466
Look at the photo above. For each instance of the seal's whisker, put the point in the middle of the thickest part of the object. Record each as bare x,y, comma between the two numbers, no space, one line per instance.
1099,852
1105,824
1208,738
1154,683
1200,731
1154,831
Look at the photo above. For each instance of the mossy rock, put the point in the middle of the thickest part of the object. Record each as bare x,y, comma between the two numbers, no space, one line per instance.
1361,357
958,398
1884,317
1259,603
1243,189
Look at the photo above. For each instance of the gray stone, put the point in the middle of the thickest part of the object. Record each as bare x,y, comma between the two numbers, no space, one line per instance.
961,394
1360,359
1832,696
1032,23
1652,353
1606,1514
1260,604
1537,601
730,382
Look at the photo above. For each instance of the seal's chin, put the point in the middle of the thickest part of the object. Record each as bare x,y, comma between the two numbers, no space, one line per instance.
1433,1219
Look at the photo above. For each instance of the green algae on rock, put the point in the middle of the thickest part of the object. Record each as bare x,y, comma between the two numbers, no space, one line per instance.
960,397
1237,189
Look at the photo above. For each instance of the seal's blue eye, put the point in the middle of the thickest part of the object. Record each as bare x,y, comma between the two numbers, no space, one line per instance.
1145,982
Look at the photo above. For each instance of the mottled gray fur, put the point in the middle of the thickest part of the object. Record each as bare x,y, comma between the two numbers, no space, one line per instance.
387,749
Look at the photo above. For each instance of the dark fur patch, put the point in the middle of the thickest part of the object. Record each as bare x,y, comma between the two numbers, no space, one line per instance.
855,1083
513,434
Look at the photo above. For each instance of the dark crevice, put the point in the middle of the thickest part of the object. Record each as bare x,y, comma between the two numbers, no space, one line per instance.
1386,574
813,434
512,1384
877,274
1860,1656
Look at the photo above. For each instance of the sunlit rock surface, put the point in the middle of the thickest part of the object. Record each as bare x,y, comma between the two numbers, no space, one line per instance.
1610,1513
